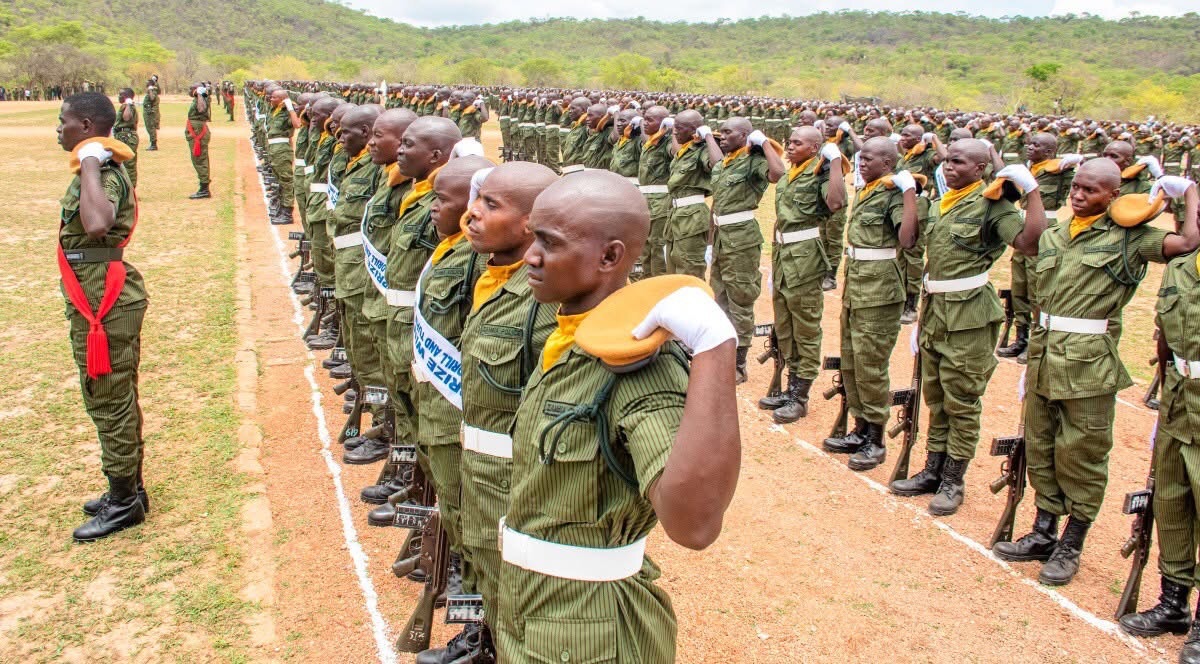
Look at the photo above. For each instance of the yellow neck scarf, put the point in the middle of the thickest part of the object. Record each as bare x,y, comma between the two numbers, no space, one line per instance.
916,151
1081,224
684,148
795,171
469,110
419,190
954,196
493,280
653,140
350,164
277,111
736,153
581,120
1039,167
561,339
866,191
444,247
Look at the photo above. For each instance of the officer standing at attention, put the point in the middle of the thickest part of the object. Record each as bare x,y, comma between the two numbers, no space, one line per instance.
654,170
282,121
125,130
150,112
99,212
576,584
695,151
196,131
1087,271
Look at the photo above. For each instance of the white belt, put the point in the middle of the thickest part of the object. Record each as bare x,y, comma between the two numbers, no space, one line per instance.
573,168
539,125
1011,155
798,236
633,180
563,130
278,139
486,442
698,199
955,285
400,298
653,188
1187,368
524,124
565,561
348,240
871,254
735,218
298,162
505,117
553,126
318,188
308,170
1076,325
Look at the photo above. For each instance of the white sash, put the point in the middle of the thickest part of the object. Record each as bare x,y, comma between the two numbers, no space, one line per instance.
434,357
332,192
375,260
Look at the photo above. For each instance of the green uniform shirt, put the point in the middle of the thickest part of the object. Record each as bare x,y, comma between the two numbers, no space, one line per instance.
1067,143
320,156
800,205
691,174
1177,309
921,164
1093,144
1173,154
572,144
626,156
358,185
123,126
413,240
71,235
597,148
379,228
279,123
150,102
1055,188
875,223
1140,183
194,114
740,185
1078,278
1012,146
469,124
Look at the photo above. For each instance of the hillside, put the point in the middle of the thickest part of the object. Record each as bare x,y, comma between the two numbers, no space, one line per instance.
1125,68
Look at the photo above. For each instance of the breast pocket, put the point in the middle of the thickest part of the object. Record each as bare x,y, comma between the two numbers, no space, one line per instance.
568,450
1098,280
497,361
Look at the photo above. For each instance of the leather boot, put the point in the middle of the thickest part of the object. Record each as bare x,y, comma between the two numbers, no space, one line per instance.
350,395
872,453
202,192
926,481
829,282
849,443
797,405
1064,561
324,340
460,646
377,494
122,510
153,147
909,315
1023,358
371,451
773,401
480,649
341,371
1171,614
1190,652
740,374
92,507
949,496
329,363
1019,344
1037,545
284,218
304,288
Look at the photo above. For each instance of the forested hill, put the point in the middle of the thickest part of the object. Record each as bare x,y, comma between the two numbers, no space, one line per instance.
1121,68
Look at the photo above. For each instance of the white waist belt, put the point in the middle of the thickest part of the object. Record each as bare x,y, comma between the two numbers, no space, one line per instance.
735,218
955,285
400,298
1187,368
871,254
308,169
565,561
318,188
633,180
1011,155
798,236
540,125
278,139
1075,325
505,117
573,168
486,442
687,200
524,124
348,240
652,188
553,126
298,162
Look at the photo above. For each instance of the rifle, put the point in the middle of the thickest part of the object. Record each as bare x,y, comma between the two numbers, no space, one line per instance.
909,421
1141,505
1010,315
419,493
434,560
1151,396
834,363
771,352
304,253
1012,476
324,297
354,419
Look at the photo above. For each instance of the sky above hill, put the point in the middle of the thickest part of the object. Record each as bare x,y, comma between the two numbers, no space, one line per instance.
462,12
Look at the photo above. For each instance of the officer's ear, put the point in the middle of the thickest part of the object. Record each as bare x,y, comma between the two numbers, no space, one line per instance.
613,256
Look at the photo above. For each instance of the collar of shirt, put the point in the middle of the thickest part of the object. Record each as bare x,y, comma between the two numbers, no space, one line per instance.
561,339
955,196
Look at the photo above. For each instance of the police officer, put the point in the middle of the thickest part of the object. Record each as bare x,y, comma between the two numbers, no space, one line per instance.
196,132
125,130
150,115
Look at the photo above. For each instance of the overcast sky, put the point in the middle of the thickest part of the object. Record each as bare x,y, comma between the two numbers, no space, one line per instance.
458,12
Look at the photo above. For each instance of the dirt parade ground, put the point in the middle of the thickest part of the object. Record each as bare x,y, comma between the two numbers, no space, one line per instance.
257,547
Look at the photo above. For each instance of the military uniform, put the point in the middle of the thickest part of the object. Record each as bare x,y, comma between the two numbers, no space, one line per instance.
552,135
738,184
1055,189
920,160
833,232
127,133
1012,147
654,170
469,123
197,134
598,146
1092,145
279,150
150,116
1136,180
572,144
565,494
320,153
687,230
299,174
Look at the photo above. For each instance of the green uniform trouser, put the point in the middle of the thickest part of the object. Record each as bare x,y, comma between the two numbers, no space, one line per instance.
130,138
395,343
484,502
1176,506
868,337
685,255
833,235
654,259
529,144
797,310
359,342
300,191
444,462
914,259
955,370
505,133
200,163
1021,285
280,156
551,141
1067,442
112,399
736,281
150,119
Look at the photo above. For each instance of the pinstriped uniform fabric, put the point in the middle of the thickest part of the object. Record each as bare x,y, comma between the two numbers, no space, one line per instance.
654,168
737,248
319,156
564,492
797,269
73,236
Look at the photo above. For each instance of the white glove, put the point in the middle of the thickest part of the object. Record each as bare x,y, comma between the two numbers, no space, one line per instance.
479,102
708,257
1020,176
383,87
830,152
446,103
913,341
614,109
201,90
1068,160
895,138
636,122
466,147
756,137
477,182
1073,131
904,181
928,137
96,151
667,123
1173,186
844,127
692,317
636,105
704,132
1152,165
287,103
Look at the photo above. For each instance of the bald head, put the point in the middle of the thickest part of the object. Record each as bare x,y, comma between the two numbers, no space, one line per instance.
738,124
1102,172
879,127
520,182
361,116
441,132
426,145
973,150
807,133
452,189
395,120
598,206
1120,152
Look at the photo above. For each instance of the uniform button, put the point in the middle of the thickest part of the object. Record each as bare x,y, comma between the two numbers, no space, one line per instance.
565,656
562,448
503,484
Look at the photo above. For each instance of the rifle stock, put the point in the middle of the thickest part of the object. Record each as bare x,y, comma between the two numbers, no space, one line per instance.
434,561
834,363
354,419
1141,533
1013,476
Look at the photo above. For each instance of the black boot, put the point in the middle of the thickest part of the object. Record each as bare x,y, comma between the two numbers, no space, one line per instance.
926,481
1019,344
329,363
284,217
122,510
1190,652
740,374
849,443
325,340
202,192
341,371
829,282
777,400
1064,561
909,315
1171,614
872,453
377,494
797,404
467,647
1037,545
949,496
93,506
372,450
153,147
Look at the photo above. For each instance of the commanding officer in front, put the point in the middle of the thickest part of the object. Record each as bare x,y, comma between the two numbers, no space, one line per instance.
1087,271
599,458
